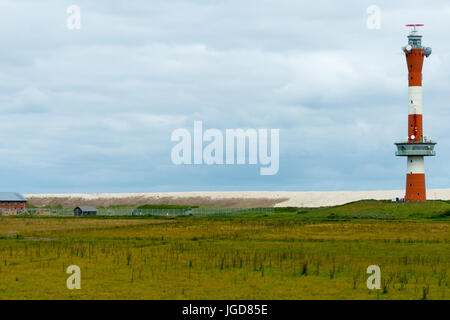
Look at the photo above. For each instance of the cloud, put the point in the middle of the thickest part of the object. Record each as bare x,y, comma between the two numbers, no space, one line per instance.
92,110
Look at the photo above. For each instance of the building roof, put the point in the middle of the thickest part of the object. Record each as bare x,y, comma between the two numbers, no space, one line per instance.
87,208
11,196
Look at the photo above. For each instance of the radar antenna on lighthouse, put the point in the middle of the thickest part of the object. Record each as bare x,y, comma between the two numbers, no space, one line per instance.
414,26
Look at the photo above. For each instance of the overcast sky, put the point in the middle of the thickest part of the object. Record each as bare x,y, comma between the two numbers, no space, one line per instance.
92,110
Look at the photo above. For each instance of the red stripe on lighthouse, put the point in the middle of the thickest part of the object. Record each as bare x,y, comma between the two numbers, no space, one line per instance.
415,128
414,59
415,187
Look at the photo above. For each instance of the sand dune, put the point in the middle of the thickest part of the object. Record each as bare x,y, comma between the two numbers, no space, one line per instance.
227,199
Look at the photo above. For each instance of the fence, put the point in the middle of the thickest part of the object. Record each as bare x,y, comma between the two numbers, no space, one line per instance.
147,212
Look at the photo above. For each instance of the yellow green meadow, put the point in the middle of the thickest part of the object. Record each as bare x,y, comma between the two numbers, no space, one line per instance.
244,257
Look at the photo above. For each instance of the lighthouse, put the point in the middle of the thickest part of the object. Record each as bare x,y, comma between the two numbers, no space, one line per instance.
417,146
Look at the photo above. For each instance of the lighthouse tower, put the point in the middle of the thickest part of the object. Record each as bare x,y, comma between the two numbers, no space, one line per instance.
418,146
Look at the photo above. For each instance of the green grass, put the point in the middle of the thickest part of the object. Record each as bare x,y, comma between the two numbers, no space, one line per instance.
164,206
381,210
358,210
318,253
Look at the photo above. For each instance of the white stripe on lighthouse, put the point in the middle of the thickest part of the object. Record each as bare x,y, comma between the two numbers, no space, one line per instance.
415,164
415,100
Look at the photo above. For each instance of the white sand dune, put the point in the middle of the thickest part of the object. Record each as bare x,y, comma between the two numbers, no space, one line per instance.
242,198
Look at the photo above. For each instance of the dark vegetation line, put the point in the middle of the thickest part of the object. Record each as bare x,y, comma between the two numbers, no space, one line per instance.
437,210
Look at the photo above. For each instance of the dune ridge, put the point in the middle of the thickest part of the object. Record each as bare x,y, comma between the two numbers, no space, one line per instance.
227,198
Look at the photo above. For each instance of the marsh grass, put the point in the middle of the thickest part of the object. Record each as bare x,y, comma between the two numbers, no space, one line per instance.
222,258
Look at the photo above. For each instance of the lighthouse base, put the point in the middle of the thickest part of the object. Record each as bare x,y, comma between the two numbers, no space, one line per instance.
415,187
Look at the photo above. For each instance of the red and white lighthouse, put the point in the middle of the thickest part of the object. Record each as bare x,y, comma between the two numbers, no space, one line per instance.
418,146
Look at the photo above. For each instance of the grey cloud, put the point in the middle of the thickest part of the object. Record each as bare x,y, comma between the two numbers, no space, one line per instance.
98,105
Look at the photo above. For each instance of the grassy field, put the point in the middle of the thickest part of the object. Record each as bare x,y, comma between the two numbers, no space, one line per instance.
370,209
317,253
